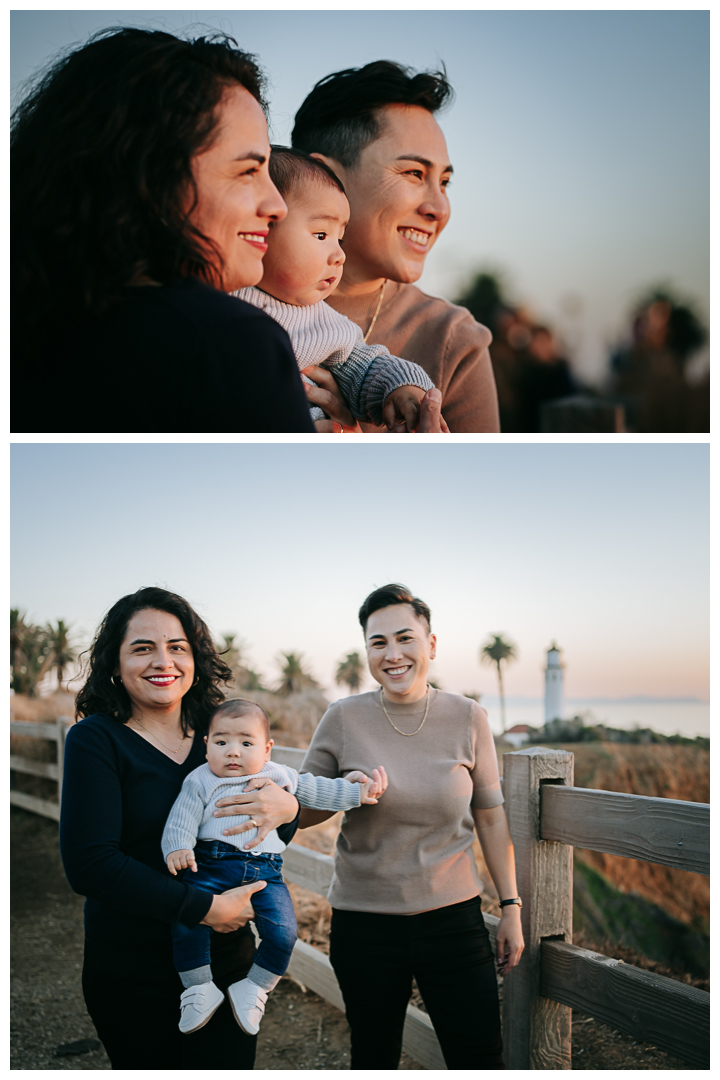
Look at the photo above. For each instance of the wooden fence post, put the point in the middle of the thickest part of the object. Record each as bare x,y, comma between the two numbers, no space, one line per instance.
536,1030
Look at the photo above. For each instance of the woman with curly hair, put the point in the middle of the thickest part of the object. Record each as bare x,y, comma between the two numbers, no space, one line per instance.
141,197
154,677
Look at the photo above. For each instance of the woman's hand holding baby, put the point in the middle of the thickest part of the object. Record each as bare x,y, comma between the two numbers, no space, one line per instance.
232,909
181,860
327,395
371,789
266,804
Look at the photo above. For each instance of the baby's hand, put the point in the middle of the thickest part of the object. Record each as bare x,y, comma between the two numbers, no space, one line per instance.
401,411
371,790
181,860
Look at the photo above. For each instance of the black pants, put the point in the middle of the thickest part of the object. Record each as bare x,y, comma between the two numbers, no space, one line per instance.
448,952
134,1003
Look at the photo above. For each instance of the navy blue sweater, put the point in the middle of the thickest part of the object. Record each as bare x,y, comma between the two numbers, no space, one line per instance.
117,792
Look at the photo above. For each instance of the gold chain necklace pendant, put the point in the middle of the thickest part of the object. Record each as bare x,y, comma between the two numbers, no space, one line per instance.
377,312
407,734
170,751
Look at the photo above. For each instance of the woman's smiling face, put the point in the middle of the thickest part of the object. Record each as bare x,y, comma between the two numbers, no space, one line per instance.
156,662
236,199
400,648
398,197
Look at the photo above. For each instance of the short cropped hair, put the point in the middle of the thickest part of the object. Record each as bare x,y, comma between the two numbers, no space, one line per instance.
386,597
290,168
340,116
234,708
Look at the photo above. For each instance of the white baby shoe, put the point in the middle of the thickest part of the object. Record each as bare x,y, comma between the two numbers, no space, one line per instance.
198,1003
248,1004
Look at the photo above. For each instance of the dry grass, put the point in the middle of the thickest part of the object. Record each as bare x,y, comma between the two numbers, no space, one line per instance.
41,710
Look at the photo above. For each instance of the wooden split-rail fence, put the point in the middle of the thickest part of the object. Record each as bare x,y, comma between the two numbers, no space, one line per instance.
548,816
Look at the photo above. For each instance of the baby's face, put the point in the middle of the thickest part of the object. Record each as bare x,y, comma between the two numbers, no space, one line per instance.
236,746
303,263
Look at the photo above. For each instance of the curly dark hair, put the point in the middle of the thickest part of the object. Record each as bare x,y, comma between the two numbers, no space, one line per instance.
101,150
340,116
100,694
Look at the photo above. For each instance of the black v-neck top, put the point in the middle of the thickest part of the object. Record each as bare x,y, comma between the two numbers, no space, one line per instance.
179,357
117,792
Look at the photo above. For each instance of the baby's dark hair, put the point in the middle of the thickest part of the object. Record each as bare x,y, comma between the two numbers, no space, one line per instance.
234,708
290,168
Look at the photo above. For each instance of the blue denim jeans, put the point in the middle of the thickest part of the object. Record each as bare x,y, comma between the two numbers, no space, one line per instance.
222,866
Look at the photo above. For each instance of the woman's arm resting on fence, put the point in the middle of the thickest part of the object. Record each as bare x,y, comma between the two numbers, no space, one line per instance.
497,847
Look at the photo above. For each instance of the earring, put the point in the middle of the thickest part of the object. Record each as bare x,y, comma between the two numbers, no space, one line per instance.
197,680
112,680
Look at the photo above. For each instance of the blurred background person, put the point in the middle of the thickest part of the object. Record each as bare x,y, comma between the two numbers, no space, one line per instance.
527,362
653,374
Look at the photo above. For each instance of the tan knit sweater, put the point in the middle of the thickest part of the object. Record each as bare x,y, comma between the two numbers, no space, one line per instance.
411,852
443,339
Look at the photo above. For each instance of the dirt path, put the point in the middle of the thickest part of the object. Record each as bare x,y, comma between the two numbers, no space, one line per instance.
300,1030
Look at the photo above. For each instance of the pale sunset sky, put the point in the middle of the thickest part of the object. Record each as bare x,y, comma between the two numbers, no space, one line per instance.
603,548
580,139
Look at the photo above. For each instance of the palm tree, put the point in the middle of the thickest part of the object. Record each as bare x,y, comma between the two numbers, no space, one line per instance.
497,650
17,632
233,652
30,653
62,652
350,672
294,677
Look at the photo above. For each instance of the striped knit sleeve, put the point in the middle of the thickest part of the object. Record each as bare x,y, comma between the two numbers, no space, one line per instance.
185,818
372,373
322,793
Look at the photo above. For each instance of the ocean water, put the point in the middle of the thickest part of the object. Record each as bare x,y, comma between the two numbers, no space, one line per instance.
668,718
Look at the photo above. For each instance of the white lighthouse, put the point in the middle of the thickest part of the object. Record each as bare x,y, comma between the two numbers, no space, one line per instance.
553,685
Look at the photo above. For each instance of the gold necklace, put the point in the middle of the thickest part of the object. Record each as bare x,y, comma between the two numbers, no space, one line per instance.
160,740
407,734
377,311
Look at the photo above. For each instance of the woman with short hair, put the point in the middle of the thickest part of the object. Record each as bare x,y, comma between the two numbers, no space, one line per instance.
140,197
154,678
375,127
405,892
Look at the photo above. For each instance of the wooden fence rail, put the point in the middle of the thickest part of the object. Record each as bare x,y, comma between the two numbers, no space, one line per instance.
547,816
664,831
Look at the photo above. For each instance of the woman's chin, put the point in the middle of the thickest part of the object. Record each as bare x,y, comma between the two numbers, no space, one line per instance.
406,270
243,277
400,689
163,698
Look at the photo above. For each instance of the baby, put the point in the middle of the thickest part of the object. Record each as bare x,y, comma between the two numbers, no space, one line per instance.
302,266
238,750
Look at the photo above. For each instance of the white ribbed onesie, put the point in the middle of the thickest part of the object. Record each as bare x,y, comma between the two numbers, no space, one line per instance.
366,374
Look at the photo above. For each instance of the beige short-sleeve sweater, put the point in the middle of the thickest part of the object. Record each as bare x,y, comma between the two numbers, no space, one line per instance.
411,852
442,338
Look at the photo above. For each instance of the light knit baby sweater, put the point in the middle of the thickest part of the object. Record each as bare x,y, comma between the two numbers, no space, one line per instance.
191,817
366,374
